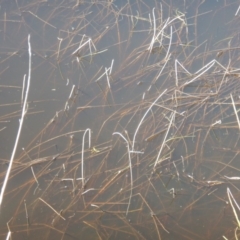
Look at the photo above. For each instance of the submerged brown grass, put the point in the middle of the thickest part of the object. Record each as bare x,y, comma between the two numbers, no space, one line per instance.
170,97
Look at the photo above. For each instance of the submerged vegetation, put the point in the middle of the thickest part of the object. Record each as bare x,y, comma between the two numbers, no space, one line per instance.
119,120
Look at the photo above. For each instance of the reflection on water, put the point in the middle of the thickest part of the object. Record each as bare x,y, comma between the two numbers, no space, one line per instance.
131,129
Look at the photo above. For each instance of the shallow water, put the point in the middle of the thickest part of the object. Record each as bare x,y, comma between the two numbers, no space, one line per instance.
165,171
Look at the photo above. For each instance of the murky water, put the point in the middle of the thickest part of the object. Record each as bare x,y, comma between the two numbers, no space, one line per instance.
131,128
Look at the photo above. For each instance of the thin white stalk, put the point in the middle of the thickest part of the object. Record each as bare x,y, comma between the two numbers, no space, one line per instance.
107,72
100,77
66,107
8,236
232,178
134,137
108,81
130,167
172,191
199,75
90,189
136,18
89,44
132,21
183,67
229,193
161,13
176,170
137,152
149,88
23,88
217,122
93,45
176,70
235,110
161,31
205,66
59,214
164,140
213,61
95,53
154,31
178,17
82,39
34,176
81,45
20,124
71,93
60,41
154,28
89,145
170,43
111,67
237,11
94,205
156,37
183,166
26,211
70,179
224,75
2,129
168,22
166,61
235,232
9,231
150,20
